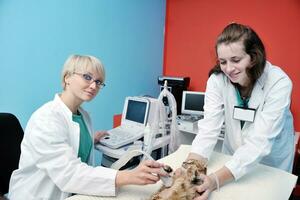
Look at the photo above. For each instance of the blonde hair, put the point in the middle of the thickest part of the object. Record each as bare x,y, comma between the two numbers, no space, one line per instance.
76,63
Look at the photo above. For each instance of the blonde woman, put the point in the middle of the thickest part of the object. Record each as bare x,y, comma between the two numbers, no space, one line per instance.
56,152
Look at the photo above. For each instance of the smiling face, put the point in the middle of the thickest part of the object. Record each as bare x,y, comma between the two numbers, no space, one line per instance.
234,62
82,78
80,88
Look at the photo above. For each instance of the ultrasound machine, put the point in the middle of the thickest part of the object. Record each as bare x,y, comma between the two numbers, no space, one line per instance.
133,122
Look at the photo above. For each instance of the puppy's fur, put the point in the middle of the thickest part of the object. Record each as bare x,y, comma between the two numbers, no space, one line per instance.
183,187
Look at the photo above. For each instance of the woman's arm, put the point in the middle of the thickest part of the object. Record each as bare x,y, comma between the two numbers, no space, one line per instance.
209,128
147,172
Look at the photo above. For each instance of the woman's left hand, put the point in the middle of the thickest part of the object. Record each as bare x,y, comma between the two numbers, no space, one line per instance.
206,187
98,135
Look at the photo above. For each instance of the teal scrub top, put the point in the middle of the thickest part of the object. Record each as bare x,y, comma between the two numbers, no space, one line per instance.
241,102
85,142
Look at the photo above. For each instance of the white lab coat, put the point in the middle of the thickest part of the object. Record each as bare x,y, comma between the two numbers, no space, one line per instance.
268,140
49,168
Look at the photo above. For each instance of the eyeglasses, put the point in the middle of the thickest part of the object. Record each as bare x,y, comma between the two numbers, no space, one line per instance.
89,79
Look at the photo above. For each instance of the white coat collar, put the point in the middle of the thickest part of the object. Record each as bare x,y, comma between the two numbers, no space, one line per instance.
258,92
74,126
65,108
255,99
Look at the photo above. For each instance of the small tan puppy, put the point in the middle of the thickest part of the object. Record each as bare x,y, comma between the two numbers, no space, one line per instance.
183,184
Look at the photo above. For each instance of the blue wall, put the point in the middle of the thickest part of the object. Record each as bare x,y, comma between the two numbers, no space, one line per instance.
37,36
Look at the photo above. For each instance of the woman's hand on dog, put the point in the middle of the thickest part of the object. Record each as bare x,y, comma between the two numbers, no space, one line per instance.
206,187
147,172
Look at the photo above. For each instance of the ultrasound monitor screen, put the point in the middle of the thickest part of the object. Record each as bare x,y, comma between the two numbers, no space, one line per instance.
136,111
194,102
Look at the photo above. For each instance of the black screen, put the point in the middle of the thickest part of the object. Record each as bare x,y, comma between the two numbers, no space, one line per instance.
136,111
194,102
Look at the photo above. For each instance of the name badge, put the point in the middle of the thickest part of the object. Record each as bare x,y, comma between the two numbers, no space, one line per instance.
244,114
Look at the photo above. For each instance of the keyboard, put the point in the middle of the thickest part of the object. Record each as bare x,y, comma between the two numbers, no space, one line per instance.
189,118
119,137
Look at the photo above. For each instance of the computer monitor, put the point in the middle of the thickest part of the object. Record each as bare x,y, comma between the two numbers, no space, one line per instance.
192,103
135,111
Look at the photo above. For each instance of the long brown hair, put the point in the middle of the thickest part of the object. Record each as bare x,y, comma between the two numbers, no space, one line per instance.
253,46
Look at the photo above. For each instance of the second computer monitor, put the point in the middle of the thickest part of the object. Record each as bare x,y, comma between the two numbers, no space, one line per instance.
192,103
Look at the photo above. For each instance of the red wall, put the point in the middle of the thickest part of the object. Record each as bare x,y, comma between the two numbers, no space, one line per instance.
193,25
